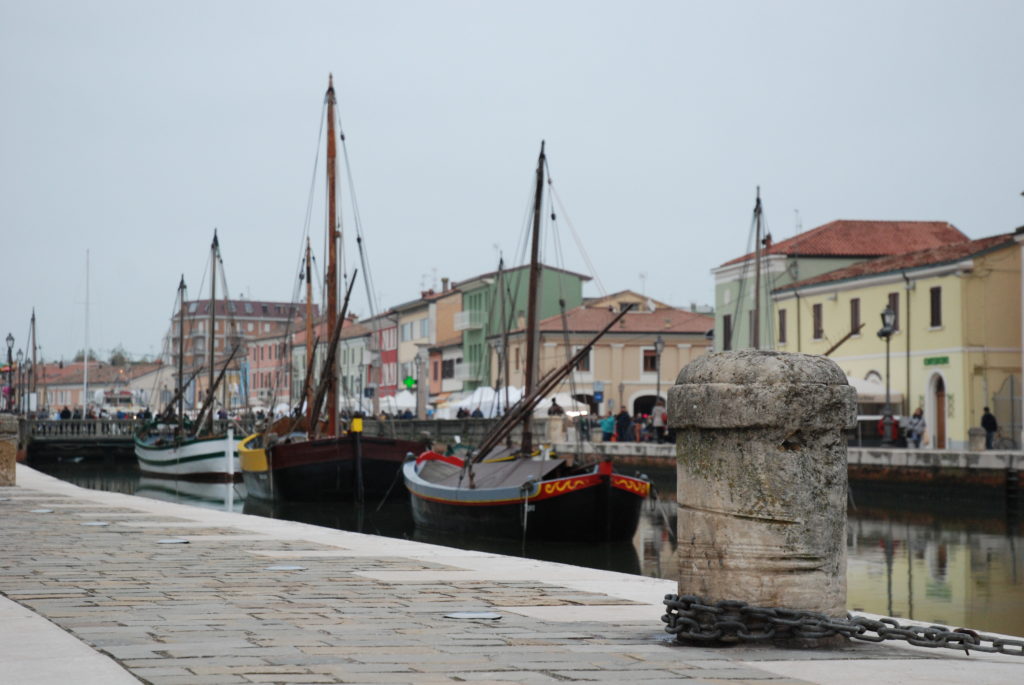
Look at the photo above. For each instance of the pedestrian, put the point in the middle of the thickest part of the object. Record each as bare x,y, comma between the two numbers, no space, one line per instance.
477,413
915,427
659,419
607,427
989,423
640,427
623,424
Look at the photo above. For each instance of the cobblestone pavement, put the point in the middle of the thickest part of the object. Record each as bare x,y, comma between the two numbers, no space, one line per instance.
256,600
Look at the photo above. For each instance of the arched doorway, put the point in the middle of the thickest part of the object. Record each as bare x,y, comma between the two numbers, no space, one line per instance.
939,404
644,404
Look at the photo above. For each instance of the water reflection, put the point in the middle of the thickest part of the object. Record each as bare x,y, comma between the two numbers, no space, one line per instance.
941,565
953,562
393,518
225,496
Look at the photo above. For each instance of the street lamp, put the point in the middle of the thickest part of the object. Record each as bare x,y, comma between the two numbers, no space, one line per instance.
659,347
888,321
10,369
20,357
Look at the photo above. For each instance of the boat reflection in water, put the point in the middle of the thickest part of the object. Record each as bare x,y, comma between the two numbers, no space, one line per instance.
394,519
225,496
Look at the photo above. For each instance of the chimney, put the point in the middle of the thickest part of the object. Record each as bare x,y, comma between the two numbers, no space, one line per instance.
444,284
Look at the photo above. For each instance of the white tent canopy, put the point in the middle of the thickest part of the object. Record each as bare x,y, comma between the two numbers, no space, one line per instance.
565,401
399,402
872,391
489,401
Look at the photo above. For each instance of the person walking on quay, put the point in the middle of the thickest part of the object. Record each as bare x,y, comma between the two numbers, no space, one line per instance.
659,419
989,423
623,423
607,427
915,427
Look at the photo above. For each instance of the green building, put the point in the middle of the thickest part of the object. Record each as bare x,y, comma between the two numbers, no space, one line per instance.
484,315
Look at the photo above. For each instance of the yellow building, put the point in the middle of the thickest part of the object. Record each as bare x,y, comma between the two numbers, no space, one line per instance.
957,342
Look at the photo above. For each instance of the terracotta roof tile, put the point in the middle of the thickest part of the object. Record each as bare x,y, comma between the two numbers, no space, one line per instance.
848,238
930,257
592,320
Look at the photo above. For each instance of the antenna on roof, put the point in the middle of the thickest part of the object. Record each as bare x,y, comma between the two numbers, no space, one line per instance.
799,224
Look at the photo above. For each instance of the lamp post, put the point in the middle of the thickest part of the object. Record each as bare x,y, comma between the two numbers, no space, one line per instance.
659,347
10,370
20,357
888,321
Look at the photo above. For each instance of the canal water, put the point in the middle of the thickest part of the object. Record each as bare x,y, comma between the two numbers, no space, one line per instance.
952,560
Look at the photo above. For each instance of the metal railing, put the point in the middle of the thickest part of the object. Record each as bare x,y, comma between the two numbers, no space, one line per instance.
468,319
84,430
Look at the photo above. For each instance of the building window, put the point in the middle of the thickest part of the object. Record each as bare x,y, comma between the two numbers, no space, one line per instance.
855,315
517,359
437,370
650,361
424,328
936,297
448,368
727,332
819,329
894,304
782,326
584,365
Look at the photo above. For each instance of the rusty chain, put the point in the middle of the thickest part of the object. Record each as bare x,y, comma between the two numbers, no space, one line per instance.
691,618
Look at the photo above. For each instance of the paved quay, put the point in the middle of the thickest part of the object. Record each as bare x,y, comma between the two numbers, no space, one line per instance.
95,604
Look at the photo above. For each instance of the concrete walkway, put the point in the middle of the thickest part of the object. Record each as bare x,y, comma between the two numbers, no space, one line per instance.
257,600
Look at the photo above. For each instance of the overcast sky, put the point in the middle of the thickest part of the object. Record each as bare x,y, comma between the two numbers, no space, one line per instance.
132,129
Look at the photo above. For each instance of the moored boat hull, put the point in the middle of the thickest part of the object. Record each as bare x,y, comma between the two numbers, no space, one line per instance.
589,506
201,459
327,469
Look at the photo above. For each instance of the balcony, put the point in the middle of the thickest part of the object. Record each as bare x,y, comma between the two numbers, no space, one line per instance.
469,371
470,319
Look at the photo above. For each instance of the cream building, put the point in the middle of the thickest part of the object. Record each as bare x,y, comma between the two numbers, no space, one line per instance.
624,367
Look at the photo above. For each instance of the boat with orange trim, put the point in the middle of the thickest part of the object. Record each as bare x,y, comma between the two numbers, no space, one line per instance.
545,499
498,491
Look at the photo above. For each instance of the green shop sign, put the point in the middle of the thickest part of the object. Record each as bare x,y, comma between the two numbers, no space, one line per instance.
936,361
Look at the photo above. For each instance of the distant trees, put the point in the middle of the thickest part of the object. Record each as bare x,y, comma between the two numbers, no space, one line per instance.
80,355
118,356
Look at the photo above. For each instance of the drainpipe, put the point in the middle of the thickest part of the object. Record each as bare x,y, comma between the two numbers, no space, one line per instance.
906,395
798,338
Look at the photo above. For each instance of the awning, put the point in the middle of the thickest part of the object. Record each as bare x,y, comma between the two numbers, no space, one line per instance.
872,391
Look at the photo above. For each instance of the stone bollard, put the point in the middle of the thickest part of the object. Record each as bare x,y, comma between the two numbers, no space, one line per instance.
761,473
8,448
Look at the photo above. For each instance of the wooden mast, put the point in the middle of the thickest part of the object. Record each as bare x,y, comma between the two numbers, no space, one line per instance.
309,331
332,255
32,377
181,356
756,333
213,326
531,308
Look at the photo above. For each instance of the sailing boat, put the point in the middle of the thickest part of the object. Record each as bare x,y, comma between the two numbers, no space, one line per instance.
501,492
306,459
171,446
